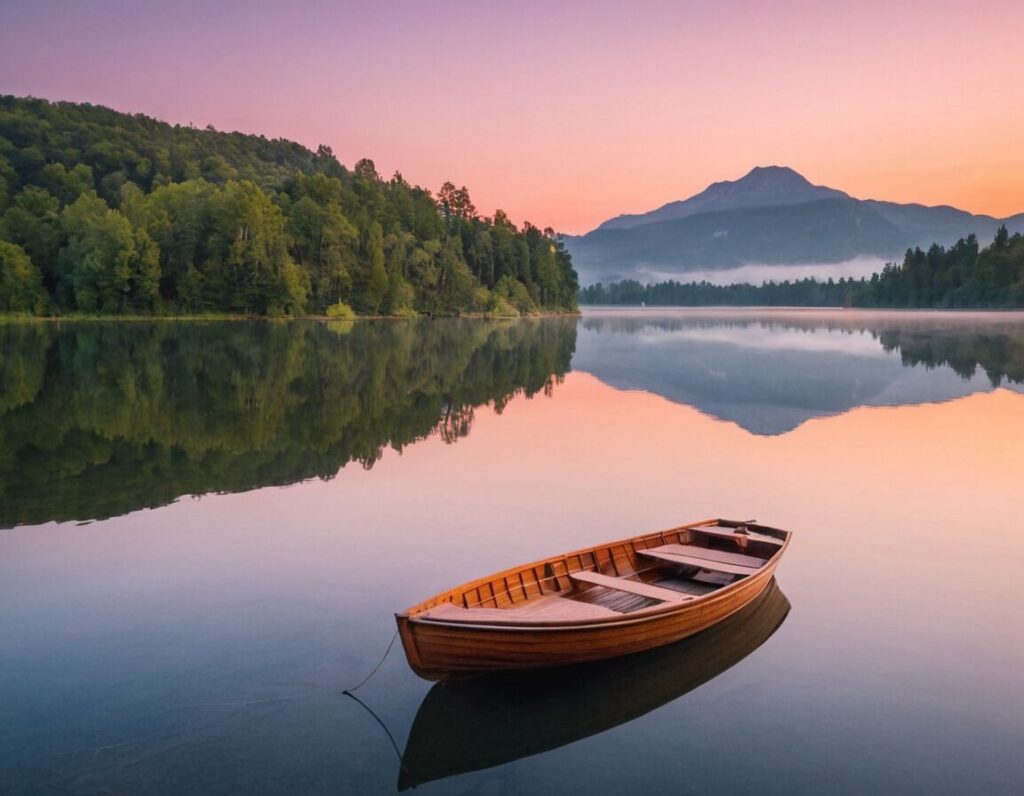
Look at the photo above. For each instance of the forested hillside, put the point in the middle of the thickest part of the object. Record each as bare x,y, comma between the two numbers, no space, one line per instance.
962,276
105,212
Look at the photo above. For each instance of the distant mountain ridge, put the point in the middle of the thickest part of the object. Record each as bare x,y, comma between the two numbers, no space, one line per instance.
771,216
763,186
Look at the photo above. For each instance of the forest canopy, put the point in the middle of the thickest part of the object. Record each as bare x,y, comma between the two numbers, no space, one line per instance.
962,276
106,212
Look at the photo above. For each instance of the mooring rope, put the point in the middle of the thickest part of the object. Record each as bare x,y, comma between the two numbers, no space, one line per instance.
351,691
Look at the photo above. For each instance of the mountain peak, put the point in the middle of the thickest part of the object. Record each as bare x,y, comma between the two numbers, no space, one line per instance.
770,216
762,186
770,185
780,174
774,170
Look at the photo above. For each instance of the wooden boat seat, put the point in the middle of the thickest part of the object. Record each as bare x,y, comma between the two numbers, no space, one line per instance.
730,533
631,586
711,554
714,560
554,608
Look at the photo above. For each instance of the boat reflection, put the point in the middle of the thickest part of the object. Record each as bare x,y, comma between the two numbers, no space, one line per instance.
469,725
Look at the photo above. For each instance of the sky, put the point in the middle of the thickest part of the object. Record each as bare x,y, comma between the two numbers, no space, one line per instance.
566,114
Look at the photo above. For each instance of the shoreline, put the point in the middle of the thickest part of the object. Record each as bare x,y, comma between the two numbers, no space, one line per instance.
6,318
15,318
795,308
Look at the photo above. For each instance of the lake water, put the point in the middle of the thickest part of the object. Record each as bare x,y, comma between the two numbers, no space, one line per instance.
207,529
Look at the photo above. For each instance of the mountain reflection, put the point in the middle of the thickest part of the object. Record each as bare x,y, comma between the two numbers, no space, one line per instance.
99,419
770,372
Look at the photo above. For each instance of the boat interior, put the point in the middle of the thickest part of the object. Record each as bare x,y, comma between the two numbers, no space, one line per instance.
609,581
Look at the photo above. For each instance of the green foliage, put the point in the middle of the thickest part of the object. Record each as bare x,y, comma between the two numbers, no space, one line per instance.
324,242
958,277
514,292
21,286
376,279
33,222
175,219
249,268
341,311
98,261
500,307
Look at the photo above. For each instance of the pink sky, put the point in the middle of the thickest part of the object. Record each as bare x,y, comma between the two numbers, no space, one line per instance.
569,113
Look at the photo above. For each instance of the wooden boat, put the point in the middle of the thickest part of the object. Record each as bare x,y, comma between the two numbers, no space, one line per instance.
612,599
482,722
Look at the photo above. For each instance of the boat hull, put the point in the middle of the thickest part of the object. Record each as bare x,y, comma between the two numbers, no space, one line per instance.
438,650
480,722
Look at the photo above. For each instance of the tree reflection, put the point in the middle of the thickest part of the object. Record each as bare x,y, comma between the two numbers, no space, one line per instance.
99,419
993,343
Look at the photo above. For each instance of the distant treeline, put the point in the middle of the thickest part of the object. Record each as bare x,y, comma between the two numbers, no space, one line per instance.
996,345
105,212
961,276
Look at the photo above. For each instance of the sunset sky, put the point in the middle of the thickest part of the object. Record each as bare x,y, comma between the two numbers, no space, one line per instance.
568,113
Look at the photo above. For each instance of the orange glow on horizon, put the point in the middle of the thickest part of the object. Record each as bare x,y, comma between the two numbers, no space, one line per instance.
567,114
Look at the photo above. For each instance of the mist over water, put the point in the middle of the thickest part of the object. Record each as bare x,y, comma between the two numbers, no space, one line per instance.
759,273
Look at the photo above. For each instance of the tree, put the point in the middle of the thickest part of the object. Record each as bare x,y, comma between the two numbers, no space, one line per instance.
455,282
33,222
366,170
325,242
216,169
21,286
377,278
99,258
455,202
145,288
250,269
67,184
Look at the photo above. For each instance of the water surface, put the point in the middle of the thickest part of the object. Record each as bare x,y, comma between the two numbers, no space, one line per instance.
208,527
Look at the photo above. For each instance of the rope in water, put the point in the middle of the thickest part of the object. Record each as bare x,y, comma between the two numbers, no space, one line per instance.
365,680
380,721
350,692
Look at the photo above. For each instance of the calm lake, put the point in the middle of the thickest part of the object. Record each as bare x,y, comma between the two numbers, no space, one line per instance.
206,528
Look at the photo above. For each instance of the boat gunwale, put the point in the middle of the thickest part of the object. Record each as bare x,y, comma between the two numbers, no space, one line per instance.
634,617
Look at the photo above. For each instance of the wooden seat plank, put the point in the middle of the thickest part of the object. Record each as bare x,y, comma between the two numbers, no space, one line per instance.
631,586
709,553
730,533
703,563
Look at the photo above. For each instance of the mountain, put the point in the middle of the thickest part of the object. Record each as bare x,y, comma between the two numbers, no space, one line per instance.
771,216
763,186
